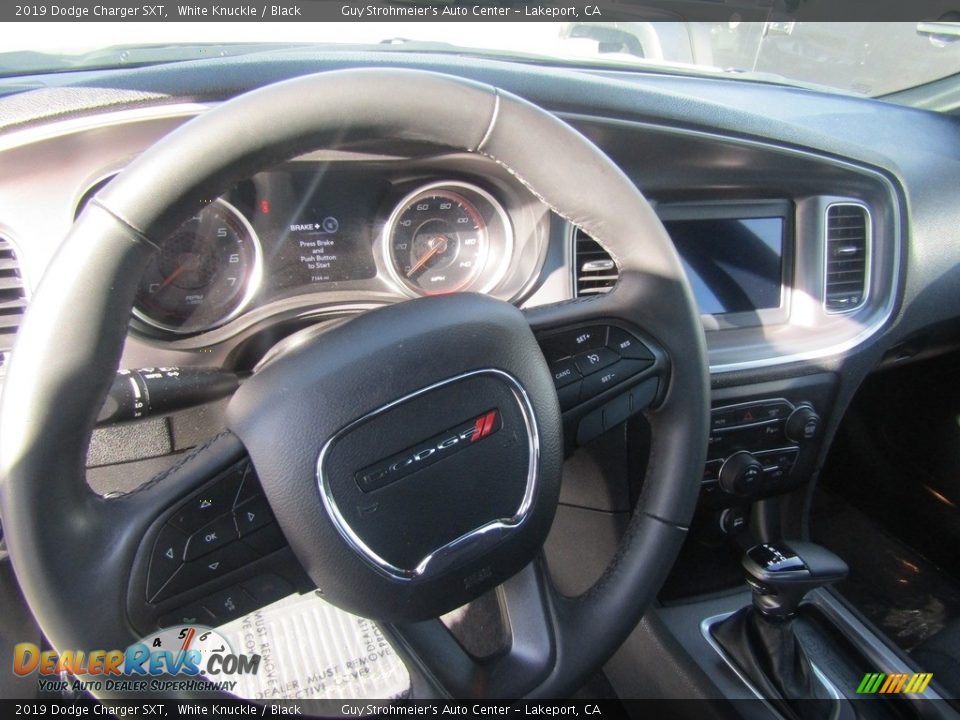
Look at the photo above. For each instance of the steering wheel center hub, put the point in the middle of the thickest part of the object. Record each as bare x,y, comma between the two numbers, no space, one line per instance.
412,455
431,480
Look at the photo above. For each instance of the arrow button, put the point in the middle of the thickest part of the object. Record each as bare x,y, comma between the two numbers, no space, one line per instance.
253,515
167,557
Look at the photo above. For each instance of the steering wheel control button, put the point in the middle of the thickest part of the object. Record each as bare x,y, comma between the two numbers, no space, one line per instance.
573,342
166,558
214,500
609,377
267,588
211,536
591,426
564,372
569,395
627,346
616,411
198,572
193,614
595,360
250,486
229,604
266,540
252,515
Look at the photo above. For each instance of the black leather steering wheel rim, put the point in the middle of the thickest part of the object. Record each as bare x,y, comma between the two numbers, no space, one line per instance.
61,536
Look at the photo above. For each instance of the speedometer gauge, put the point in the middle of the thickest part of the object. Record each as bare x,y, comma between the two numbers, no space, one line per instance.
203,275
447,237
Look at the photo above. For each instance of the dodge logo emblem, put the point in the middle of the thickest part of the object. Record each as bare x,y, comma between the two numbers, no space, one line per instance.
429,451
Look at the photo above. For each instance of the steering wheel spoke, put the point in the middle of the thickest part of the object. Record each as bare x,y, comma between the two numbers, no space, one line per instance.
212,550
527,604
605,369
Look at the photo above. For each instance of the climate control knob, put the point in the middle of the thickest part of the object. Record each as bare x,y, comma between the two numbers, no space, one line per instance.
741,474
802,424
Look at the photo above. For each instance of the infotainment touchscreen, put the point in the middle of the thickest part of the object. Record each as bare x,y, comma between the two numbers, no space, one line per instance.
735,264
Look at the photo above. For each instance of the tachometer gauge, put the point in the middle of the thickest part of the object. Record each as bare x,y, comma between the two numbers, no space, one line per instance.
203,275
447,237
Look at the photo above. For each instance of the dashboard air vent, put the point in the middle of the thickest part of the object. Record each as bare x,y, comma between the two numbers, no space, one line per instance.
847,257
595,271
13,298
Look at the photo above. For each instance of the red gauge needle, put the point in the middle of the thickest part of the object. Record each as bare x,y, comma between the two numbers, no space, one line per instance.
172,276
441,246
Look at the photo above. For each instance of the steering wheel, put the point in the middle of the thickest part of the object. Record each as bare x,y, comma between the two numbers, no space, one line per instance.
340,411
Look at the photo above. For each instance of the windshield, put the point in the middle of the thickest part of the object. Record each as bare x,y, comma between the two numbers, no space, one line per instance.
864,58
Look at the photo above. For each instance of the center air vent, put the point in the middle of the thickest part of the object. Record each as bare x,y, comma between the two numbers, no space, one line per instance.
595,271
13,298
847,257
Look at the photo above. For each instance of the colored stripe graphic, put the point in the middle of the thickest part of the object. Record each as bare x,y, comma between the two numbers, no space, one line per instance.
895,683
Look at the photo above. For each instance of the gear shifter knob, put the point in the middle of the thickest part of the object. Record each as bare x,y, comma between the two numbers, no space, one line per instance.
781,573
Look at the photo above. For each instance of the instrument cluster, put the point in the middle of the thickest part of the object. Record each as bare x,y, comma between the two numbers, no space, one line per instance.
308,229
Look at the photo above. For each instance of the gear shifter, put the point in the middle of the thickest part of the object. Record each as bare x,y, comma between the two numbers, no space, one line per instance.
781,574
761,639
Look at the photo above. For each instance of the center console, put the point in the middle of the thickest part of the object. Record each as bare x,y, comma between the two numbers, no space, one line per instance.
754,447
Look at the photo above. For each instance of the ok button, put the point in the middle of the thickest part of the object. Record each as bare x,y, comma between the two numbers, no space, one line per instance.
210,537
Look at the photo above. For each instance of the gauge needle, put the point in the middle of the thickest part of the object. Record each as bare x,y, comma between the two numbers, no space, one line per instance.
172,276
441,246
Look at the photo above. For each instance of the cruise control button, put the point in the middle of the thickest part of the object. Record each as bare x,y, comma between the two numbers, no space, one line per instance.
573,342
253,515
210,537
166,558
564,372
595,360
627,346
215,500
607,378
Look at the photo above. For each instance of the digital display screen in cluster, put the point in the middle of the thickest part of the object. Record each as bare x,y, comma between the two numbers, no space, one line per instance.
316,231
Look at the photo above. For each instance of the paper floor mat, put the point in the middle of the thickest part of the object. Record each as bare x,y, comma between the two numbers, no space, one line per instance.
311,650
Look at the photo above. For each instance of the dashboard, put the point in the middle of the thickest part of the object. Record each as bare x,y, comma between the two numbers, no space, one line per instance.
817,229
819,233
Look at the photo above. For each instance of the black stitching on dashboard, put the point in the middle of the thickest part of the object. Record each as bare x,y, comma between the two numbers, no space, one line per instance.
160,477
